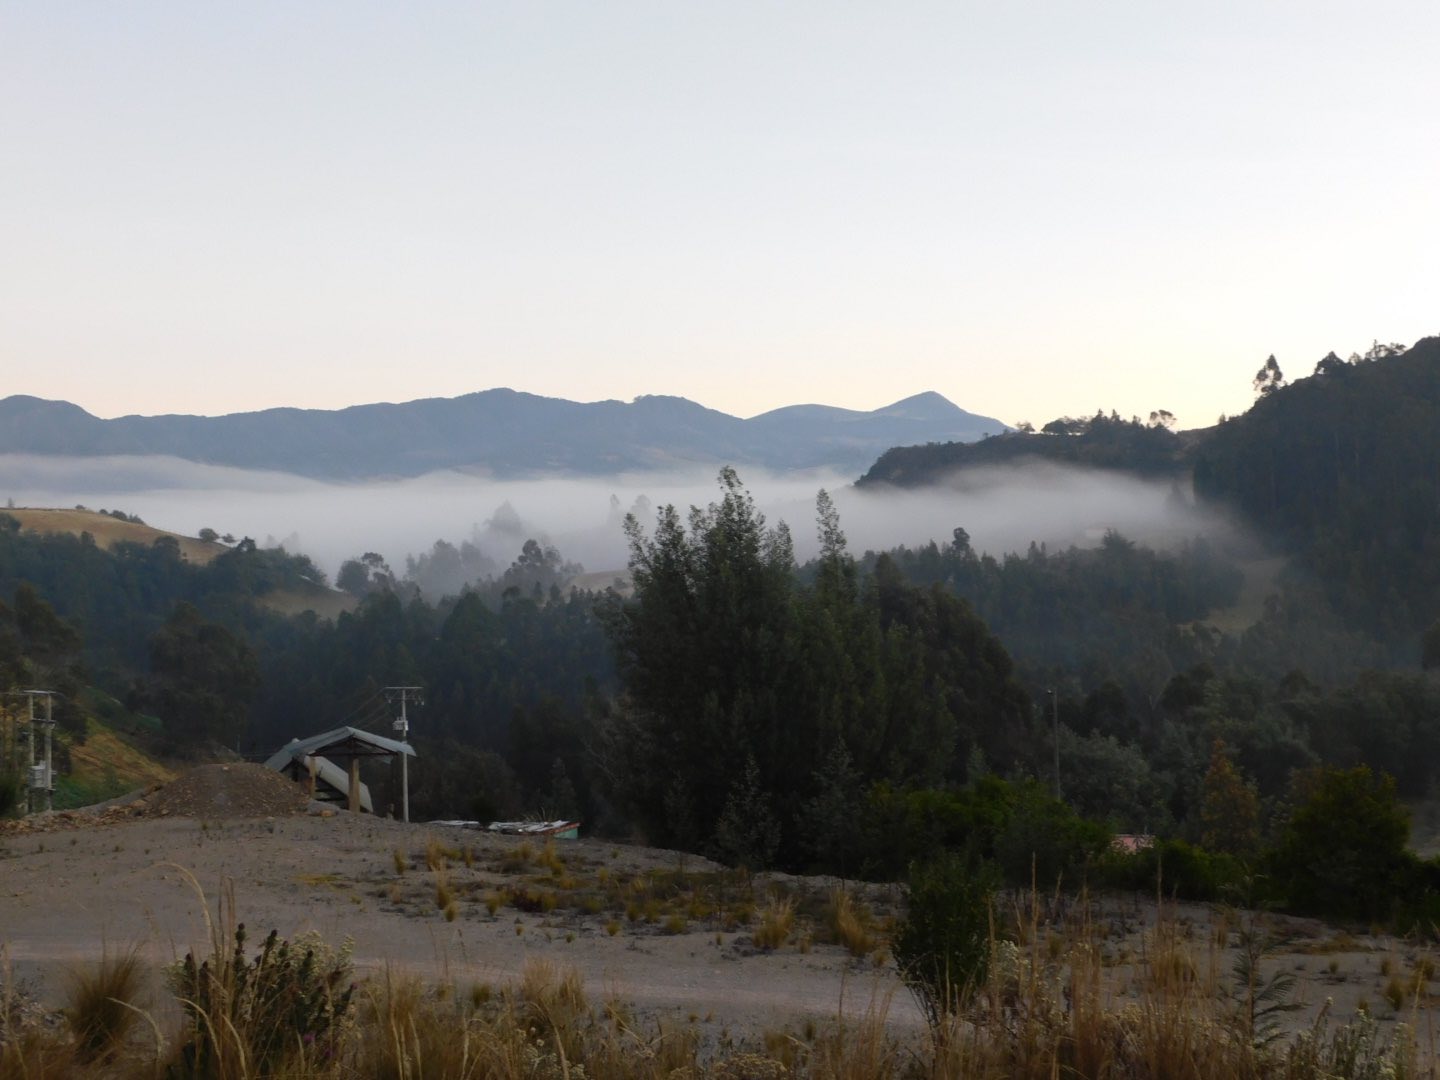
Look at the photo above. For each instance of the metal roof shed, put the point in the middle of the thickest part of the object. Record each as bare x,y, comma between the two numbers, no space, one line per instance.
345,743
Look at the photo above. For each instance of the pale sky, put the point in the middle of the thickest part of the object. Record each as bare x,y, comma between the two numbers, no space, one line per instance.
1034,209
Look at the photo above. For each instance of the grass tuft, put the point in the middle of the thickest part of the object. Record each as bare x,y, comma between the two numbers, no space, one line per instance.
851,925
777,920
101,1003
434,854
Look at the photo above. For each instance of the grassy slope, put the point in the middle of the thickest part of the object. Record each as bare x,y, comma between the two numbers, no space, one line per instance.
113,758
108,531
104,766
1261,579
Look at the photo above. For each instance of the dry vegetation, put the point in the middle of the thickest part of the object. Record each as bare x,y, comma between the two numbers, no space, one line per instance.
1049,1007
104,754
573,891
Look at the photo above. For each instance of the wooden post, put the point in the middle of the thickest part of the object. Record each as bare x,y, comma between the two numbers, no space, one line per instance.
354,785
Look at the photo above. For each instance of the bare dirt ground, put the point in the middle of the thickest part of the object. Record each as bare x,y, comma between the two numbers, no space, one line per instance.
669,935
66,895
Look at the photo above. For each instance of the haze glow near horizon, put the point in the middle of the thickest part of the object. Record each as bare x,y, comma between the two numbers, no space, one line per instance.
1033,209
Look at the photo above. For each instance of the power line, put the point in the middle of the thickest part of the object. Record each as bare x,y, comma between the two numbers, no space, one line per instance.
376,697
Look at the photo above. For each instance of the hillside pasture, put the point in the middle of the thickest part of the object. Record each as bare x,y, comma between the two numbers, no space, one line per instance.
109,531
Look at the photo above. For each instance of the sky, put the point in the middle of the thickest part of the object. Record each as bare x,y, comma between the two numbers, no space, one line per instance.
1033,209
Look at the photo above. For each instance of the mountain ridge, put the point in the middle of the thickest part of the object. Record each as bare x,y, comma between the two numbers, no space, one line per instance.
501,431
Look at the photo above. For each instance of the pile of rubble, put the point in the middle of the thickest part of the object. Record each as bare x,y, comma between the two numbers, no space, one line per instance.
238,790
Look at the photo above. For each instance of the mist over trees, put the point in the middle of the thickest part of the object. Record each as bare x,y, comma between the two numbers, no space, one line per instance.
448,569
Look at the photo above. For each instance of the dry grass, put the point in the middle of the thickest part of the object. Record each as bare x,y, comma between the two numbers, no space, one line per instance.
1031,1021
777,920
434,854
37,1055
108,531
850,924
104,756
103,1003
407,1032
444,894
1048,1008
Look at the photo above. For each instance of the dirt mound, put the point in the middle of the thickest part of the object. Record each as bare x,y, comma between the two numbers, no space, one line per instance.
208,791
240,790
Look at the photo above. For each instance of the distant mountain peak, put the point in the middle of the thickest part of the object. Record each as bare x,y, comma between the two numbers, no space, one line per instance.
928,405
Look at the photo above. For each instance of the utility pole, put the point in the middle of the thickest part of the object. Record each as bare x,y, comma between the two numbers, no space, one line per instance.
402,726
40,778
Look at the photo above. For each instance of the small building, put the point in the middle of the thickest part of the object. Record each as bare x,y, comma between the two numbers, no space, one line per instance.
308,761
1132,843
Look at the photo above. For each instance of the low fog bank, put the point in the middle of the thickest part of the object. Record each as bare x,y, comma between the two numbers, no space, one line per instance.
1002,509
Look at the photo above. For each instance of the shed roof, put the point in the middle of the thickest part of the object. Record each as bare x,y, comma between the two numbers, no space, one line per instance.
342,742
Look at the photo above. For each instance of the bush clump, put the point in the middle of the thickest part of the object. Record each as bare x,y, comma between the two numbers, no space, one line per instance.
285,1004
943,947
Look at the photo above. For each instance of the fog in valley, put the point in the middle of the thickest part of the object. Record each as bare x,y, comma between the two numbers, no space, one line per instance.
1002,509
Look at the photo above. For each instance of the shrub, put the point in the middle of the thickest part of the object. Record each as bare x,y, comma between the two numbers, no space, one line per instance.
1174,867
943,946
1021,826
905,827
1342,852
1044,841
289,1000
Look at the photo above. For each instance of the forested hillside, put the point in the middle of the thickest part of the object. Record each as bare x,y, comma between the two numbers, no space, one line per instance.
1097,442
1340,469
1343,469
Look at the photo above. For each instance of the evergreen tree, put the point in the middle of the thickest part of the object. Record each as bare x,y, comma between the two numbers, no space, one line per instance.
1230,810
1269,378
